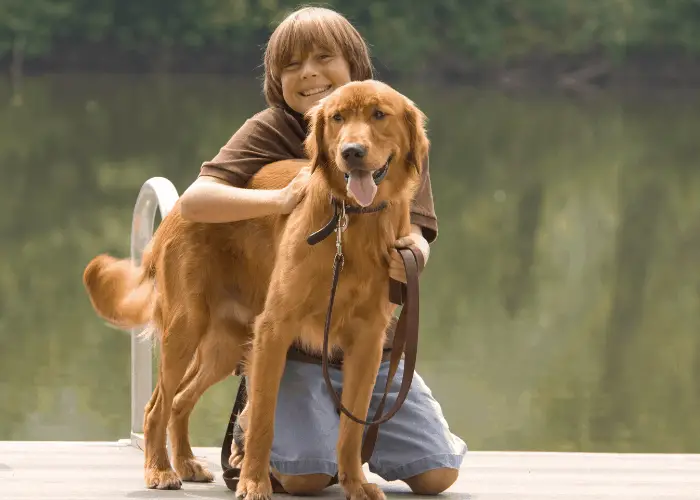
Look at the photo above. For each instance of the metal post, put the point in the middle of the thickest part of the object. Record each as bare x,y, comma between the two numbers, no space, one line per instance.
157,193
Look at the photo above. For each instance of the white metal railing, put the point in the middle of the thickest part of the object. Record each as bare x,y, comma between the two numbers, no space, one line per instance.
157,193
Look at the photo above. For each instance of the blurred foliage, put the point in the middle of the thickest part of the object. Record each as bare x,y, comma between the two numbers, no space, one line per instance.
406,35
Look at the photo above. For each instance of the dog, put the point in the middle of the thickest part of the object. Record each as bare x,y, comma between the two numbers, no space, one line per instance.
242,293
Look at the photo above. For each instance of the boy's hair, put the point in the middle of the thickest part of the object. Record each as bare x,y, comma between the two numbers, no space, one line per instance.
302,29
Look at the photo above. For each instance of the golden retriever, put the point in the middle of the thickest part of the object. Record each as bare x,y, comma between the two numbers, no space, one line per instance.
212,291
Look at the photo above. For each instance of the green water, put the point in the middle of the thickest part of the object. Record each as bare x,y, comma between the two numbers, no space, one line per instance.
560,309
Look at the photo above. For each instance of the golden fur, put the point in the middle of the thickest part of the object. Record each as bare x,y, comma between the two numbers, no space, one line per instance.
213,290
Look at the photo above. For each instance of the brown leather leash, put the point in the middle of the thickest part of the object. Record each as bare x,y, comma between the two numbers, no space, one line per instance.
405,341
406,337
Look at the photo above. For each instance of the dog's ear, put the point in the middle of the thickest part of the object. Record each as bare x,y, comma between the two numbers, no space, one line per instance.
418,138
314,143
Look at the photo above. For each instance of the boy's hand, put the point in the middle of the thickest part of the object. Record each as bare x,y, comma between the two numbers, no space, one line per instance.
294,192
396,267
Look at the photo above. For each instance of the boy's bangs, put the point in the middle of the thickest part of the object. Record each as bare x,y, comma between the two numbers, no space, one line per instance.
299,37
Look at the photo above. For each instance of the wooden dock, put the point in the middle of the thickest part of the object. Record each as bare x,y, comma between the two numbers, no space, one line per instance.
112,470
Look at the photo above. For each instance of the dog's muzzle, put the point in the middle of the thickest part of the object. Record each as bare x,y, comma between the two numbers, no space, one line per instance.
378,175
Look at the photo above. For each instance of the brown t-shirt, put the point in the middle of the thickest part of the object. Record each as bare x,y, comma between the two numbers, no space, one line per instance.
278,134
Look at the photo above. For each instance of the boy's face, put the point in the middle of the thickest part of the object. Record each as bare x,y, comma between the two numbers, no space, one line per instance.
309,77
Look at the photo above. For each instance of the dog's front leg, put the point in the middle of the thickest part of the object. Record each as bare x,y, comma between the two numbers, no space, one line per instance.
362,358
268,360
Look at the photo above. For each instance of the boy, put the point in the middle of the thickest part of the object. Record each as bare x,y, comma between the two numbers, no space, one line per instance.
311,53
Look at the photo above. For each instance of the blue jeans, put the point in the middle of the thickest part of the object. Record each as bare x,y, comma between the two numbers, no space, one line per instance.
415,440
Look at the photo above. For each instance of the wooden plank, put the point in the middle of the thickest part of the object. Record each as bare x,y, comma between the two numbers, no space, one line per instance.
106,471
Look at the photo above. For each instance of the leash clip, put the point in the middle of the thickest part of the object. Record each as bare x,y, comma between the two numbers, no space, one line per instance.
339,230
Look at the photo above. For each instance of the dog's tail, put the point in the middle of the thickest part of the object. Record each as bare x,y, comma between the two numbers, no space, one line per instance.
120,292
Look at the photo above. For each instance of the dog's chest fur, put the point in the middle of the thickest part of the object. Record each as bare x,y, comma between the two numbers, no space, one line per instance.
361,308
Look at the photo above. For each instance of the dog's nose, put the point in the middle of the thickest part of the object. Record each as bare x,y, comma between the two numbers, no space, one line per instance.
353,151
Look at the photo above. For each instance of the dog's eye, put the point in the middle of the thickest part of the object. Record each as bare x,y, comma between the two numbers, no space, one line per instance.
378,114
337,117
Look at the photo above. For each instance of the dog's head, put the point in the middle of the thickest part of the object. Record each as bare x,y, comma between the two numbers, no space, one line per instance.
369,140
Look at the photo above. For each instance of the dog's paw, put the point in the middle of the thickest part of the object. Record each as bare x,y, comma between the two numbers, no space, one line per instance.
365,491
254,490
373,491
192,470
236,458
162,479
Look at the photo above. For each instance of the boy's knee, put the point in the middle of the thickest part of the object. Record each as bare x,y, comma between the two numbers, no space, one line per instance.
305,484
432,482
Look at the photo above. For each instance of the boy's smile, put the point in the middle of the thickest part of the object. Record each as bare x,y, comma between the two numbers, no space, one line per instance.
314,91
309,77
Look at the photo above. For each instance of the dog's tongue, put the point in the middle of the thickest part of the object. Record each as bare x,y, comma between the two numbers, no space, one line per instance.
362,187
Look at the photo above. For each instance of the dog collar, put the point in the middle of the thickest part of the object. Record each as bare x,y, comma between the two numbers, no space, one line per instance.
332,224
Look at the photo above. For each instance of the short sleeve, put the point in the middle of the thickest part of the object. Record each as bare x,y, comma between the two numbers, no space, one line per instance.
422,207
269,136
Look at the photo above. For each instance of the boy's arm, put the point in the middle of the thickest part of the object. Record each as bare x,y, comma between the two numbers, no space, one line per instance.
212,200
219,193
